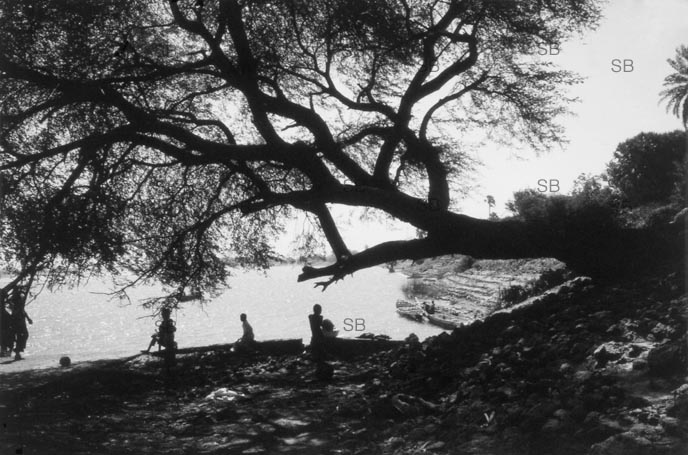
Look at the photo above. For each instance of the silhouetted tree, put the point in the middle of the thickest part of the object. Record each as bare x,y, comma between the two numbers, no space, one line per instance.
647,167
162,136
490,203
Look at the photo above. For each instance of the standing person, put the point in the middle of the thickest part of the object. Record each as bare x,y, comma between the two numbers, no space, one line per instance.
323,370
19,319
317,335
6,332
316,321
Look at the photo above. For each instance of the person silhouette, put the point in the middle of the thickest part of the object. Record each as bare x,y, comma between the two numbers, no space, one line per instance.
6,332
323,370
19,319
248,338
164,337
316,320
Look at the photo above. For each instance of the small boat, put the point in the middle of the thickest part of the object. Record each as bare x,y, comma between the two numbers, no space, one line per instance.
441,322
410,310
271,347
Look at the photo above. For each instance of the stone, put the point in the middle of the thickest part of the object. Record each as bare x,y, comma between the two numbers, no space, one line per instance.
639,442
679,408
565,368
622,444
412,339
639,365
608,352
435,446
552,425
65,361
667,360
636,350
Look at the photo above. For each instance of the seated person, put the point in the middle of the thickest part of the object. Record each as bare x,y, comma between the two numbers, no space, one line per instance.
247,337
328,329
164,337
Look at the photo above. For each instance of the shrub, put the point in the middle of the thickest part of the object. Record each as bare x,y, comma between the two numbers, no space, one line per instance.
512,295
417,288
649,167
559,213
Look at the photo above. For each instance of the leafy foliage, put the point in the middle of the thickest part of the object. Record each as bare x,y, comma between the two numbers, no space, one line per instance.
676,91
649,167
581,212
164,136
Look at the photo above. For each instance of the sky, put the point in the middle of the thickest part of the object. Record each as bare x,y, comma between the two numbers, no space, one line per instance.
613,107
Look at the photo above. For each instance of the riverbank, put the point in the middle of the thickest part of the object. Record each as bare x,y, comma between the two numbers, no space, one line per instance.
86,324
593,369
461,289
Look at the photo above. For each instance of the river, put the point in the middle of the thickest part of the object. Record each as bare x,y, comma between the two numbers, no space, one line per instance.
86,324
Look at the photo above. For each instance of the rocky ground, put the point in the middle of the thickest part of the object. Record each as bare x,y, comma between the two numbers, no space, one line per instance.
589,369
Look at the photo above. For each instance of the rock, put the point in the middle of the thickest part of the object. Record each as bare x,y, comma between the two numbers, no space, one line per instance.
535,417
436,445
608,352
65,361
636,350
668,359
594,401
662,331
636,401
679,408
395,441
353,408
416,434
598,428
565,368
552,426
671,426
622,444
324,371
639,442
412,340
639,364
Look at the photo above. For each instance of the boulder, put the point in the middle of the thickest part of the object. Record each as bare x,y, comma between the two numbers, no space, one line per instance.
668,359
639,443
608,352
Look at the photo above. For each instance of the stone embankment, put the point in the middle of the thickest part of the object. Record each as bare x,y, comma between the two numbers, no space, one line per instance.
464,290
587,370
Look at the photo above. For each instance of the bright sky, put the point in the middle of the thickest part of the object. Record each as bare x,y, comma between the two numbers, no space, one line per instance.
614,107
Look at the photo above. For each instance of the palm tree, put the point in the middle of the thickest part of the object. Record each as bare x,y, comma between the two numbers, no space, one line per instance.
490,203
676,91
676,96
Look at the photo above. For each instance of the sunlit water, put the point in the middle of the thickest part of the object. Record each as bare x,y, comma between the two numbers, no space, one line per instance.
85,324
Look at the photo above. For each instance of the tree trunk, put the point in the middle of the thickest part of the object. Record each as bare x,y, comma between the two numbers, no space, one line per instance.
597,251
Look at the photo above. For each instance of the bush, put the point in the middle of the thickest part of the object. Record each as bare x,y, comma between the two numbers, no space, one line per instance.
418,288
517,293
580,212
512,295
649,167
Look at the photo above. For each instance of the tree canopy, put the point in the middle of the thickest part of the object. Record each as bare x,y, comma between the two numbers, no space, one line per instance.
162,136
649,167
